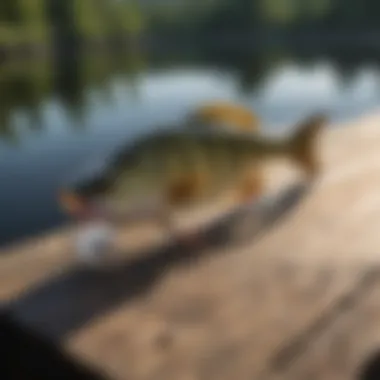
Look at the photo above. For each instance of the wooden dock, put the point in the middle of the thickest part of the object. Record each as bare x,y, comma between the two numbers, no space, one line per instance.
299,300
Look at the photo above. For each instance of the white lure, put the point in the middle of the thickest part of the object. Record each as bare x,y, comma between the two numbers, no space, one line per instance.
95,243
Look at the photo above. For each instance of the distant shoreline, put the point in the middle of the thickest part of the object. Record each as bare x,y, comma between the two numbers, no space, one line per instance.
232,41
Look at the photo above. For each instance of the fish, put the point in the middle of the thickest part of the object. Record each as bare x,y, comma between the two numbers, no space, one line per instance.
229,116
234,118
175,170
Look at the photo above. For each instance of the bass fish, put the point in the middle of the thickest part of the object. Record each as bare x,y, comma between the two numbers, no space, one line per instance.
171,170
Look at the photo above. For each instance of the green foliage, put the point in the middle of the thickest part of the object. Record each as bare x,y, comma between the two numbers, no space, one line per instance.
130,17
101,18
23,21
28,21
89,18
9,11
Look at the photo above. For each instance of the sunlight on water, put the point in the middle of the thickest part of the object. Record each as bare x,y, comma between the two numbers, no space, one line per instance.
186,86
292,84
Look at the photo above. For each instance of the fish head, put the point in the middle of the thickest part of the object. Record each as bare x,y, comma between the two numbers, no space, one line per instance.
81,194
101,192
83,198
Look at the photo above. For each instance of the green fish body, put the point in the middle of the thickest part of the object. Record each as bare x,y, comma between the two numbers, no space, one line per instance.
172,169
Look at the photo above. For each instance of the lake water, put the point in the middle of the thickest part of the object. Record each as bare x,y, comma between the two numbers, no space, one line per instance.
52,117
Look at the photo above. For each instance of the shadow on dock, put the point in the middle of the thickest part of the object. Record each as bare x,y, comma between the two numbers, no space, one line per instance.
29,356
63,304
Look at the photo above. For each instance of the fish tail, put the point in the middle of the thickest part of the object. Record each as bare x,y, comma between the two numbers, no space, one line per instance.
303,147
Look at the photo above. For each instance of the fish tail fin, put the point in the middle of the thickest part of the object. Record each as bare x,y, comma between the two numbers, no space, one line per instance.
303,143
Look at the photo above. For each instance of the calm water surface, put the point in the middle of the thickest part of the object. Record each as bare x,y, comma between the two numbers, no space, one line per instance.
53,118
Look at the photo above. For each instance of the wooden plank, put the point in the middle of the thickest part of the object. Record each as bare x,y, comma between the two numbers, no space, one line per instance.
264,309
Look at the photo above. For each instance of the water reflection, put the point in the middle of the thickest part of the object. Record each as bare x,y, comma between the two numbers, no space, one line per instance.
269,81
55,113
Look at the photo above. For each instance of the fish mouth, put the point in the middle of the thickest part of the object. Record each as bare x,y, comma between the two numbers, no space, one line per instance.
76,206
